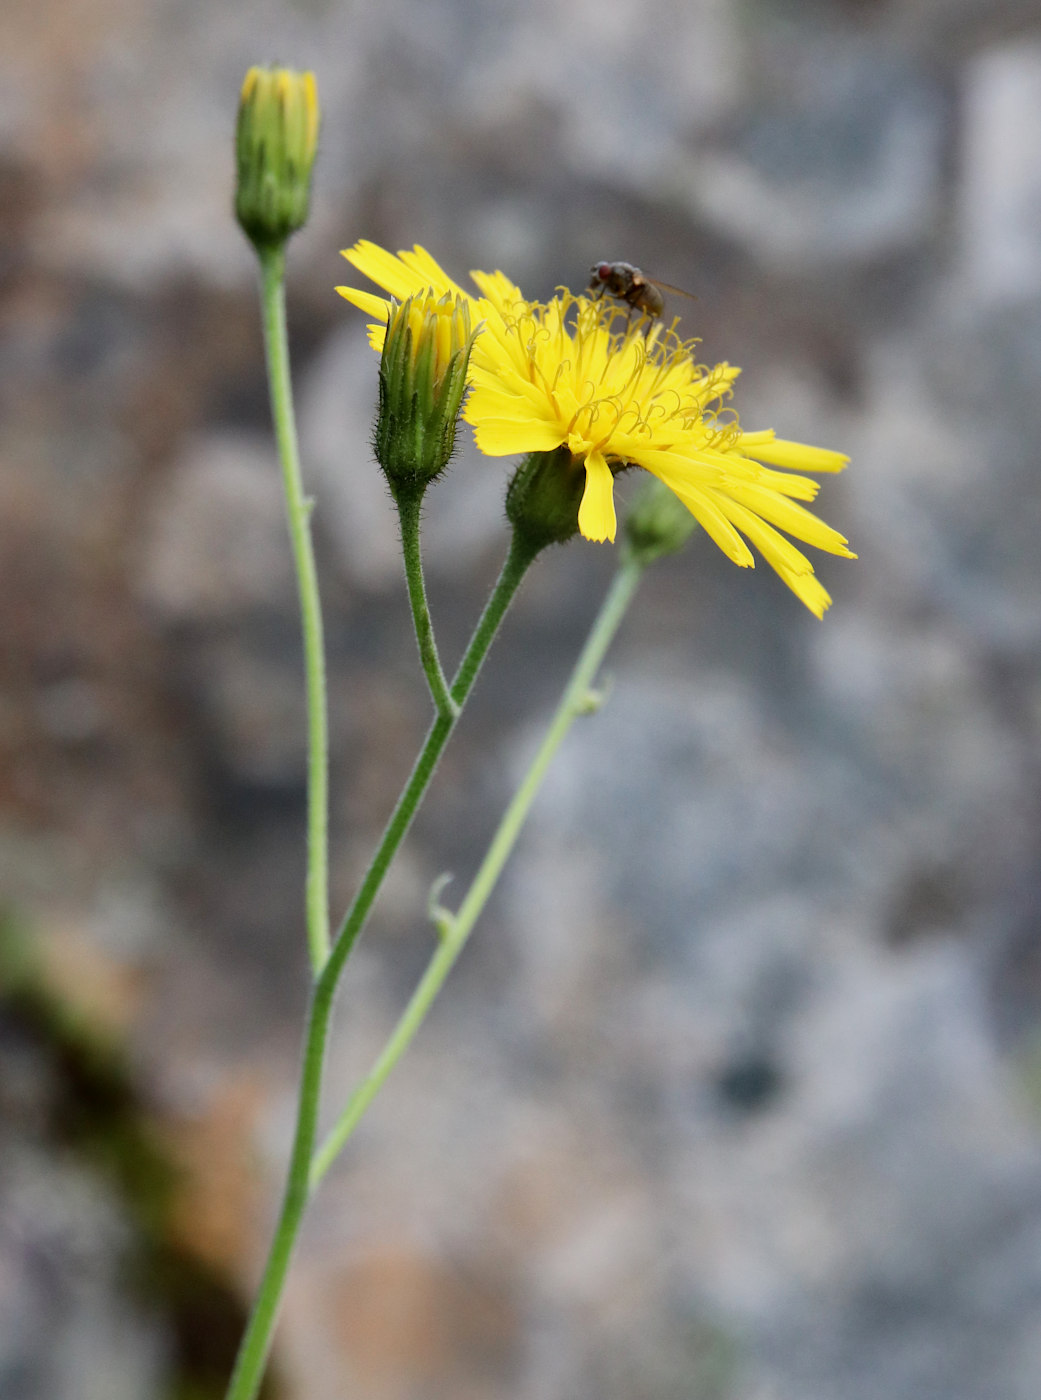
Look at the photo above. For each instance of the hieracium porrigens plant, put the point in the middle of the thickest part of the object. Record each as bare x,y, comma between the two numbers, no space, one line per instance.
579,389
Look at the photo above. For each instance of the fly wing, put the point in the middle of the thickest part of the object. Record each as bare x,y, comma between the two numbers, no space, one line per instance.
668,287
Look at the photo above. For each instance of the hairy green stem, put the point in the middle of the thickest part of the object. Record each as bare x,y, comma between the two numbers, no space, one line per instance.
455,929
298,512
256,1343
409,510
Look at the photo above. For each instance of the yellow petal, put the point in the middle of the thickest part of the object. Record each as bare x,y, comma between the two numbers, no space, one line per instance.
707,513
400,274
498,288
430,272
802,488
368,302
782,453
801,523
809,590
778,552
383,268
508,397
596,517
502,437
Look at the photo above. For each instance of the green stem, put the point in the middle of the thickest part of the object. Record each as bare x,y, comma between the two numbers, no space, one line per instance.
410,509
455,930
249,1366
298,512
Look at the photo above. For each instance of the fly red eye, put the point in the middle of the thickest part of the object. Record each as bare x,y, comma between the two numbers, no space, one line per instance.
603,271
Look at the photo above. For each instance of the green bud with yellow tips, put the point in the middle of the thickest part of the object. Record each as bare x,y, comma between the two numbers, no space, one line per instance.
422,379
275,143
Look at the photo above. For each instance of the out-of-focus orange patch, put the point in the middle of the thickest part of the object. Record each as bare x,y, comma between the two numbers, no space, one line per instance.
409,1323
216,1214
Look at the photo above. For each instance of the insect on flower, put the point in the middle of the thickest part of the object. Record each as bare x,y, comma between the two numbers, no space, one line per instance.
555,380
627,283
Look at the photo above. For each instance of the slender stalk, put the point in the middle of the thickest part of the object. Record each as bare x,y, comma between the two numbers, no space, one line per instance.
409,510
455,930
256,1343
298,512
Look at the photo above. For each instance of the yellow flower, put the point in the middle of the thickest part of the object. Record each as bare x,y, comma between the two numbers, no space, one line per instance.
576,373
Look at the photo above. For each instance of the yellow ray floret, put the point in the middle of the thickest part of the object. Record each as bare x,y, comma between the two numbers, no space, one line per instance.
578,373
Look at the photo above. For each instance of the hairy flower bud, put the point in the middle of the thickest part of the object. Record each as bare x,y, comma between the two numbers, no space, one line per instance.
658,523
275,143
426,353
544,495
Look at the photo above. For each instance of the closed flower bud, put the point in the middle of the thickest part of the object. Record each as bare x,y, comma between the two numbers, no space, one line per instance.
543,497
275,143
426,353
658,523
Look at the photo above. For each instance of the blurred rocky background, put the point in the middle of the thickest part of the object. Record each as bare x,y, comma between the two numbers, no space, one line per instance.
736,1094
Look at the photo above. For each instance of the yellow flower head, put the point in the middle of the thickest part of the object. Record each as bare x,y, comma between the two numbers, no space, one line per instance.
574,372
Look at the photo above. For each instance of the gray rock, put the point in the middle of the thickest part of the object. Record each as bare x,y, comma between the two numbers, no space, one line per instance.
1000,197
217,544
867,1192
836,161
62,1244
337,404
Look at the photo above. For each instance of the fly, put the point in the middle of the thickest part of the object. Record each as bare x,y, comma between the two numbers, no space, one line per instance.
627,283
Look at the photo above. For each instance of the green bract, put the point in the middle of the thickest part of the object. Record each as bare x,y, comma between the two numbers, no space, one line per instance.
544,496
